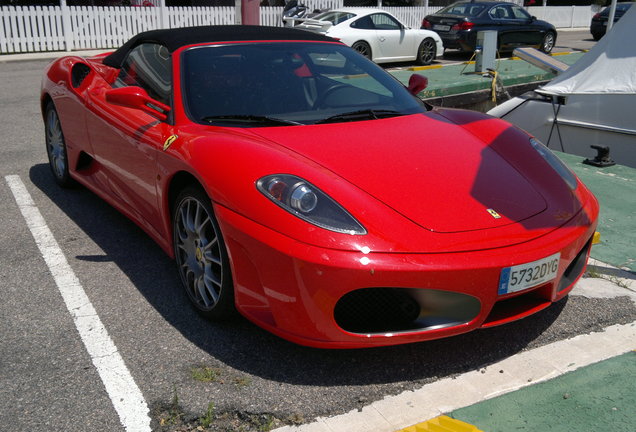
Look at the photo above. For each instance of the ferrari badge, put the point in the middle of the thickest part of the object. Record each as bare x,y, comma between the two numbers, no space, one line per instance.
494,214
169,141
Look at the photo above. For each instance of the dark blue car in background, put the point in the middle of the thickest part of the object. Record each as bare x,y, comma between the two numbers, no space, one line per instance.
599,21
459,23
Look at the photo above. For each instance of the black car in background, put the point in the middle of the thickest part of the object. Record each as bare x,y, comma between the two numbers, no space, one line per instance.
599,21
459,23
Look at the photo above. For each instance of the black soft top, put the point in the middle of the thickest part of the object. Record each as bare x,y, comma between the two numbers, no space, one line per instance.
174,39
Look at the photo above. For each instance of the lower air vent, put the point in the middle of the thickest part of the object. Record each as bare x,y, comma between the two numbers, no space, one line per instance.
575,268
389,310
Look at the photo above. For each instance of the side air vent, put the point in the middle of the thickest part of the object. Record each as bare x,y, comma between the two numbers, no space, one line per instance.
78,74
84,162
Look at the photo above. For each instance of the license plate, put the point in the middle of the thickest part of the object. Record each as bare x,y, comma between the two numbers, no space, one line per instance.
528,275
441,27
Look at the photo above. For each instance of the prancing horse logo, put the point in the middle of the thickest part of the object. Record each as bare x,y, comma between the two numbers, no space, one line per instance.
494,213
169,141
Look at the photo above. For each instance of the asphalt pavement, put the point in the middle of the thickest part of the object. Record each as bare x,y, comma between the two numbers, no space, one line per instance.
181,364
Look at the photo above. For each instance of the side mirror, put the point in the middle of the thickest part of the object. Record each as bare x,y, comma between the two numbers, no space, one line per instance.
137,98
417,83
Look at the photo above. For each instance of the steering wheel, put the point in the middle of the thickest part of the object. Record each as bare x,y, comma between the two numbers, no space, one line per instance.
320,102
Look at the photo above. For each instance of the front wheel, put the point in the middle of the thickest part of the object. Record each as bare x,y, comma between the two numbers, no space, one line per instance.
548,42
201,256
363,48
56,146
426,52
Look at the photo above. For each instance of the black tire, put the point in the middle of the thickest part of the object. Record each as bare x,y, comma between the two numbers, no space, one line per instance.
56,146
363,48
597,36
548,41
201,256
426,52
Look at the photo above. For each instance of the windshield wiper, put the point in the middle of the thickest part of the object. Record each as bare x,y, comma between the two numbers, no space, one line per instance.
360,115
248,118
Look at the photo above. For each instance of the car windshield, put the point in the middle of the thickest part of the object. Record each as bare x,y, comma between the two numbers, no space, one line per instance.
286,83
463,9
334,17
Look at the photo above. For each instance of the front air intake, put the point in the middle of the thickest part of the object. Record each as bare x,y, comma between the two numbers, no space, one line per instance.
575,269
390,310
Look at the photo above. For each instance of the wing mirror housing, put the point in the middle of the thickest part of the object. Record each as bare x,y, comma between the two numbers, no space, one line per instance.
417,83
137,98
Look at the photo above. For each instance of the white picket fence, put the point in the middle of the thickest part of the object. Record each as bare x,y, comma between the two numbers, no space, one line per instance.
410,16
55,28
42,28
564,16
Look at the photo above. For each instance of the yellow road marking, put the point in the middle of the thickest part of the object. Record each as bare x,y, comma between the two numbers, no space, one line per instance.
441,424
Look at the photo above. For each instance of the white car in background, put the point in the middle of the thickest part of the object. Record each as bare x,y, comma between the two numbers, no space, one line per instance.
377,35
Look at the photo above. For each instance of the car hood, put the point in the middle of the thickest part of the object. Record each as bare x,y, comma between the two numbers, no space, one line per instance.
438,174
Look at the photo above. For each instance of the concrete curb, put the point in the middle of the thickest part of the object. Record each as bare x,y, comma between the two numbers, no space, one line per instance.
449,394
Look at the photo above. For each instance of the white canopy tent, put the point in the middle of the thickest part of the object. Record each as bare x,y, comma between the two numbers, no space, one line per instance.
609,67
592,103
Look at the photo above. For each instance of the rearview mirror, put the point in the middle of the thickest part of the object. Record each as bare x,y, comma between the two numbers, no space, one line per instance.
137,98
417,83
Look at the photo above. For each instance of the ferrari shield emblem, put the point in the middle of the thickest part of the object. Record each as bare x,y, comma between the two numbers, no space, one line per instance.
494,214
169,141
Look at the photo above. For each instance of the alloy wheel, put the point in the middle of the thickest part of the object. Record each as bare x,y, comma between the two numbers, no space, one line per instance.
548,42
363,48
199,256
426,53
55,145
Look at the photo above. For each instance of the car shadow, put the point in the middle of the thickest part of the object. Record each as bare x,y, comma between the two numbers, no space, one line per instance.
244,346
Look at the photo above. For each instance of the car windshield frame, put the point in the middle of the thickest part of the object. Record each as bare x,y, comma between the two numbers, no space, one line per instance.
317,81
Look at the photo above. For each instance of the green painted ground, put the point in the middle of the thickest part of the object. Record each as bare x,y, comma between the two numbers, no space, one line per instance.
456,79
596,398
615,189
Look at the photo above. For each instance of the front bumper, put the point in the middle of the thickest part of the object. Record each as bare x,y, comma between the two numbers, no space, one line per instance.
461,40
292,289
598,28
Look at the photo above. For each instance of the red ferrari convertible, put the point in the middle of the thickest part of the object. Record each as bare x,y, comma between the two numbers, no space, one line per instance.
297,182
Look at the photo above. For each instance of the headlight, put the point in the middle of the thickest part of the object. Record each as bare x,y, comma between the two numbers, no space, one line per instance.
309,203
555,163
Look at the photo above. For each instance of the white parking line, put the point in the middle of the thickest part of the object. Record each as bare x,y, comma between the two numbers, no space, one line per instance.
120,385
